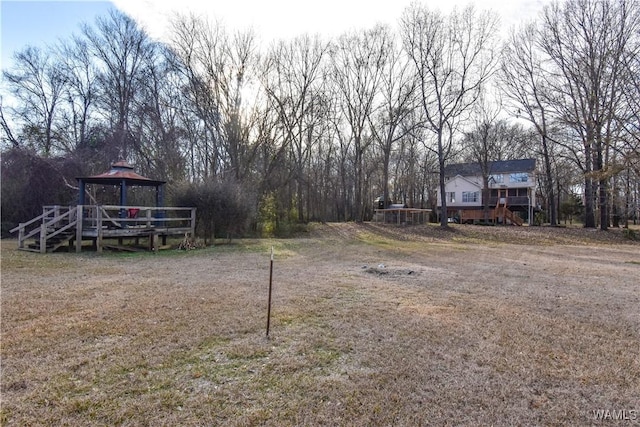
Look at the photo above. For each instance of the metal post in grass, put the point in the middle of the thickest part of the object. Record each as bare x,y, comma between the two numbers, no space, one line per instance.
270,287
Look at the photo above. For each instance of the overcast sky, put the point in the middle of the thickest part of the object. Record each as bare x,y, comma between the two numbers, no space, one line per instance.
274,19
39,23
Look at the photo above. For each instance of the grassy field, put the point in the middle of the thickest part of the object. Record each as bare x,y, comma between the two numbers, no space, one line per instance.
371,325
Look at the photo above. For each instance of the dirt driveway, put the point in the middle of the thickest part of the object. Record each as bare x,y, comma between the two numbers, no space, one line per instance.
372,325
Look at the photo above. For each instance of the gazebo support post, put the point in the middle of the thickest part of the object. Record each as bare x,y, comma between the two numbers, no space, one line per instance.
123,198
79,220
81,194
99,229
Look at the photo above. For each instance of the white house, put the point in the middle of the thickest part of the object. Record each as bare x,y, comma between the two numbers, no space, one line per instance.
511,191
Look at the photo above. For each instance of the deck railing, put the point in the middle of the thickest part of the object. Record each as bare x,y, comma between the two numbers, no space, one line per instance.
98,221
511,200
114,216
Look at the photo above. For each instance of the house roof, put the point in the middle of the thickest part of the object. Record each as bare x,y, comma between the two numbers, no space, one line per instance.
503,166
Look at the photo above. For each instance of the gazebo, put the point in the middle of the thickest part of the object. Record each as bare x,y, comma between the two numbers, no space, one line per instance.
121,175
59,226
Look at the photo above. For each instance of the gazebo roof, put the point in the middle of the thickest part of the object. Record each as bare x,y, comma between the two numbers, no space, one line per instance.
119,172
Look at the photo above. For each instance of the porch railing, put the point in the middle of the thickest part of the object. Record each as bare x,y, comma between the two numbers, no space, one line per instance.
511,200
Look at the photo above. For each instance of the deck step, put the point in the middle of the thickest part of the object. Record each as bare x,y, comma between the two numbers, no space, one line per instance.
28,250
53,243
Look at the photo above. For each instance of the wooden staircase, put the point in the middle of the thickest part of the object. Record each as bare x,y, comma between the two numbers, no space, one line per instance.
56,227
63,238
513,217
503,211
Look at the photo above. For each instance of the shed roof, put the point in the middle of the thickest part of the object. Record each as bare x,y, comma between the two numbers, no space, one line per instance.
503,166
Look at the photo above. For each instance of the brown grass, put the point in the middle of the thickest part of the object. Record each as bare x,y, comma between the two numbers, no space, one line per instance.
372,325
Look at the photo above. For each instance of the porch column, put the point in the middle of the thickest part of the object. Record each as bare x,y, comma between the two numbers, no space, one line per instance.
159,203
529,208
81,194
159,196
79,220
123,198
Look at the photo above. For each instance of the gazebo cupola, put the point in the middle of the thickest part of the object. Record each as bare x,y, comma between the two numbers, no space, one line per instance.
122,175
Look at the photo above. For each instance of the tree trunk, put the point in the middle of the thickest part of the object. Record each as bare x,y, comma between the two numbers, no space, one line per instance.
589,212
553,219
486,192
603,188
443,193
359,212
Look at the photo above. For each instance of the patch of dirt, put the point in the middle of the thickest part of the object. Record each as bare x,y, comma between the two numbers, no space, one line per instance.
381,270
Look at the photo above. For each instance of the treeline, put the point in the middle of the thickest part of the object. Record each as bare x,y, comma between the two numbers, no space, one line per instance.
314,130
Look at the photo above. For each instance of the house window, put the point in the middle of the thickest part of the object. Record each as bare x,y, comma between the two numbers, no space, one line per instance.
519,177
451,196
470,196
498,179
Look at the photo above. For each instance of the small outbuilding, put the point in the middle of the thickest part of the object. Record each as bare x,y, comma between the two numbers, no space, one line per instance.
400,214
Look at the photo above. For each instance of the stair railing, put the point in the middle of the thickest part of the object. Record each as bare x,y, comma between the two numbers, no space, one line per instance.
55,224
50,218
23,228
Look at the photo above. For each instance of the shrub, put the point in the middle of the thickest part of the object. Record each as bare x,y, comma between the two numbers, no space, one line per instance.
224,209
630,234
30,182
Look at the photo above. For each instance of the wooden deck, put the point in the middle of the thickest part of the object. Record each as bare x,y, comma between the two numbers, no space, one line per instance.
495,215
104,226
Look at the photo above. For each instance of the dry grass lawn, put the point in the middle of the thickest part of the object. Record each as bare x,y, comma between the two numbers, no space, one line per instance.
371,325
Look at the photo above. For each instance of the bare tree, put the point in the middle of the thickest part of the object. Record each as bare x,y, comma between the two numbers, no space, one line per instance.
587,40
121,49
395,118
217,69
358,63
292,79
453,57
323,182
37,83
240,71
79,115
630,150
194,44
9,139
524,82
155,123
